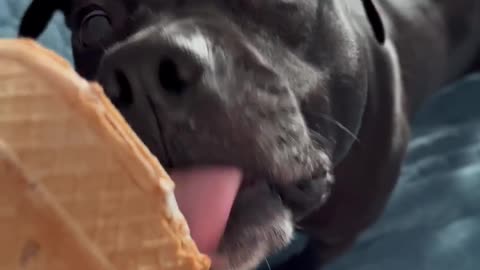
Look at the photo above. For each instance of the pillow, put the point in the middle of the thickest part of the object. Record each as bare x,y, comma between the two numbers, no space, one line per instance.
56,36
433,218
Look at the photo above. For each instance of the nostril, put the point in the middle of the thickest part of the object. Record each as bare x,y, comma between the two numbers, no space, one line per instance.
179,72
124,95
170,78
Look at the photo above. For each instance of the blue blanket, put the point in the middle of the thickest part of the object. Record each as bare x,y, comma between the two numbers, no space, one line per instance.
433,220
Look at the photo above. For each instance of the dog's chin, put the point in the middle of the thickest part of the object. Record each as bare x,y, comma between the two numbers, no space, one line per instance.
259,225
263,216
262,220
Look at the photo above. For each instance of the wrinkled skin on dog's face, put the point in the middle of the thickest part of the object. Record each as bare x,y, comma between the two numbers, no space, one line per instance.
268,98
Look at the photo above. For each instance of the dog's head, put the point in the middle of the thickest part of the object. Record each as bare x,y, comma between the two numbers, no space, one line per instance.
272,87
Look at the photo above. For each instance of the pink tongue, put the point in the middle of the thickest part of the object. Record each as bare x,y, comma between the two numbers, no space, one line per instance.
205,196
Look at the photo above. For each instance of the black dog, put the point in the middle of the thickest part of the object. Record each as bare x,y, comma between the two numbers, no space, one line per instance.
295,93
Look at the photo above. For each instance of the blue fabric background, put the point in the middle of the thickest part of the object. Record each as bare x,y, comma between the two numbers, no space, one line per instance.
433,219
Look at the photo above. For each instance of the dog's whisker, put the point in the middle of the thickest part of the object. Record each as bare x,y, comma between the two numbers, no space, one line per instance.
318,139
268,264
338,125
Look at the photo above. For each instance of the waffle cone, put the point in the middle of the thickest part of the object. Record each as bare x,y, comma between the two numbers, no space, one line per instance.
107,195
36,233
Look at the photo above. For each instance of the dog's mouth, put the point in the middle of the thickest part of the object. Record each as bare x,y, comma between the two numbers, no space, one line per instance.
206,196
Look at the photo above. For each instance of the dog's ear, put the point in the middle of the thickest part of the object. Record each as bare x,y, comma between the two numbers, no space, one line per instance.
375,20
38,15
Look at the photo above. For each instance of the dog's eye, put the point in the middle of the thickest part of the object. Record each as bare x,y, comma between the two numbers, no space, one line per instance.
95,28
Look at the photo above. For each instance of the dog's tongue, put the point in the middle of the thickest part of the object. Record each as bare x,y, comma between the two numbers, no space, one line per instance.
205,196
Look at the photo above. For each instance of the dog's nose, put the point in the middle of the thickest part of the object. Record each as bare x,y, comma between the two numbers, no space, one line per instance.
161,65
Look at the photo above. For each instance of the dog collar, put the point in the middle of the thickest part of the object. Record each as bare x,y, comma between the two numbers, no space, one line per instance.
296,247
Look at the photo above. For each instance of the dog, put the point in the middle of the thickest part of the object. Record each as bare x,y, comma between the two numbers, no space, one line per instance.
310,100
